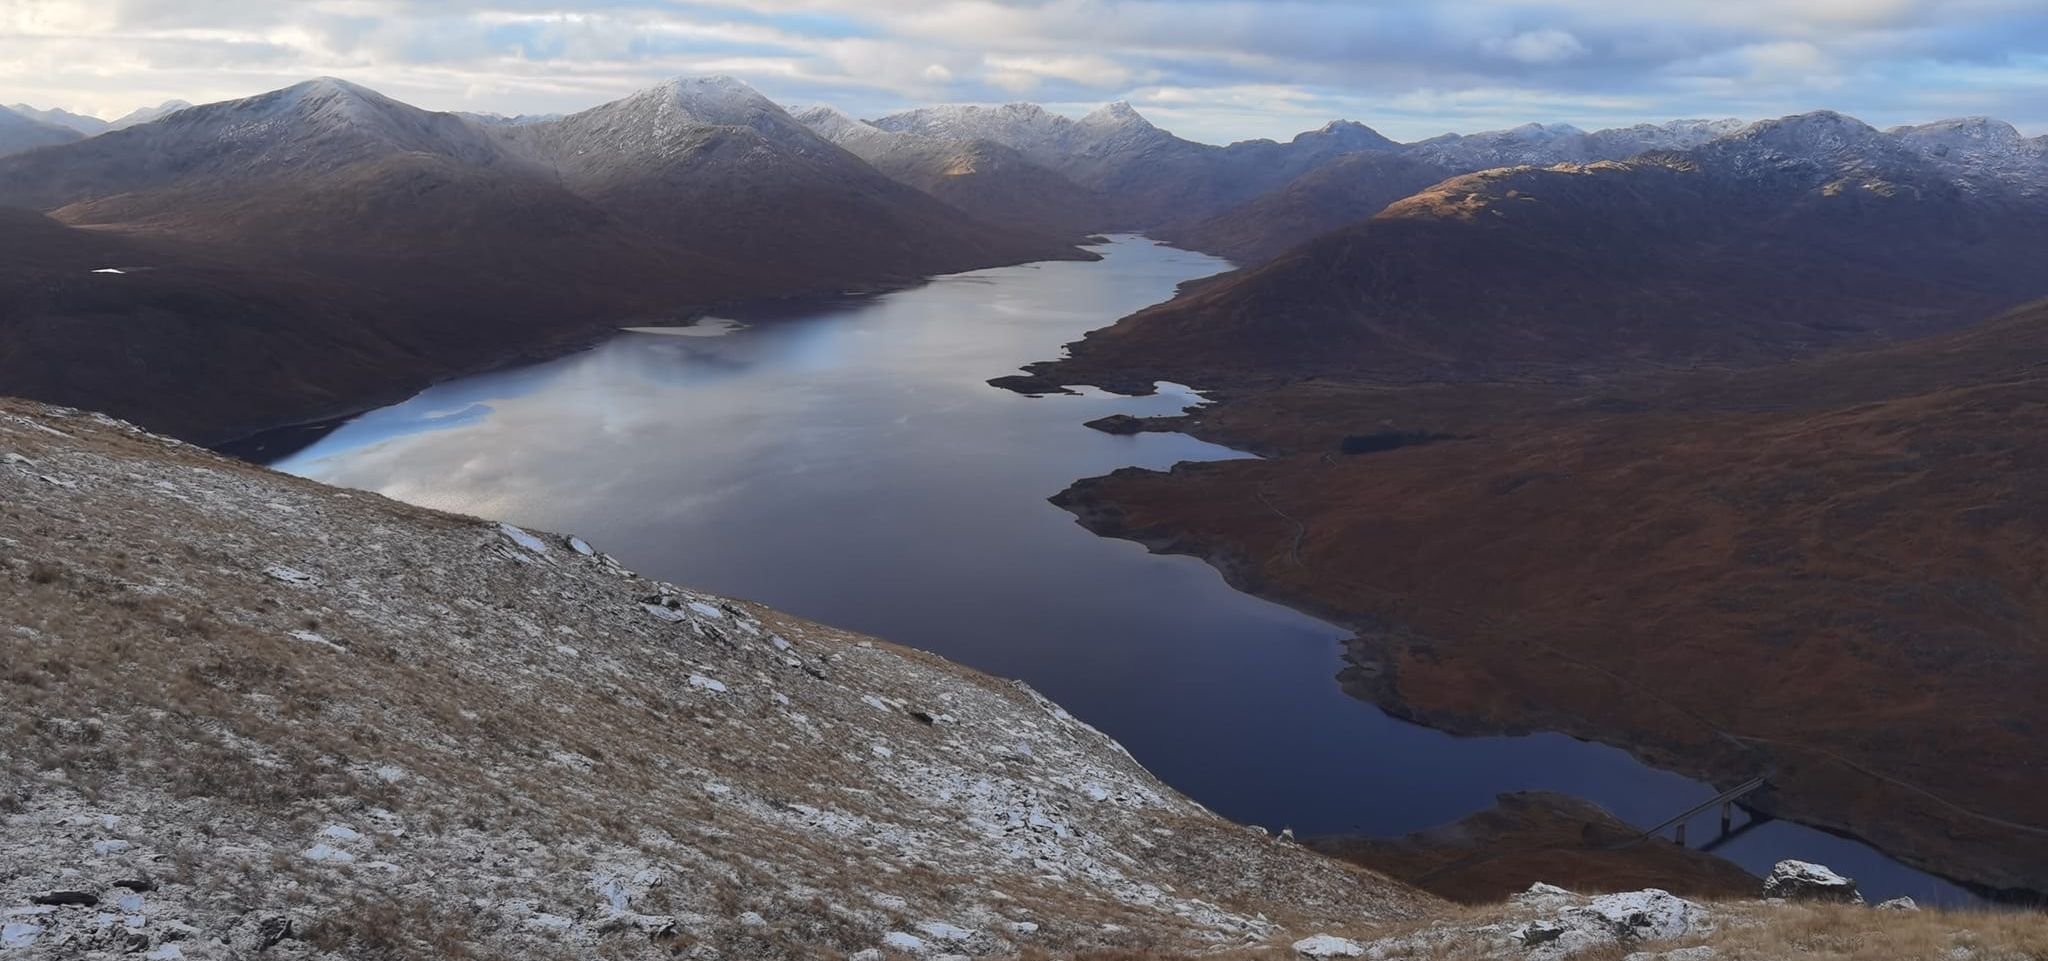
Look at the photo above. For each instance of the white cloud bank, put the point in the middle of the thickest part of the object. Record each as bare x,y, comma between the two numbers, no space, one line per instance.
1212,69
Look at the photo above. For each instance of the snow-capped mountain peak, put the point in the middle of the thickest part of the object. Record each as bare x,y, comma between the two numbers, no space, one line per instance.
142,115
859,136
1347,135
1118,114
716,100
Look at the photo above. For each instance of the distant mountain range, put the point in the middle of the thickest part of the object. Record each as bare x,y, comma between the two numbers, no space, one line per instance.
20,132
451,241
1789,236
93,126
396,245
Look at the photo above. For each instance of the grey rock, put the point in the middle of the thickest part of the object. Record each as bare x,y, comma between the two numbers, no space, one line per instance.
1806,881
1900,903
1328,946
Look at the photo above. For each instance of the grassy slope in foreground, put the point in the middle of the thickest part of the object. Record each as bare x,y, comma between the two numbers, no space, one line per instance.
424,734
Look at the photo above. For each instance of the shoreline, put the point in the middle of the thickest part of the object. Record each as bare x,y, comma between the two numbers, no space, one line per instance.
581,338
1373,684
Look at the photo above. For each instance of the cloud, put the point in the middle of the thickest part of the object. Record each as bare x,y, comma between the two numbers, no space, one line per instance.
1549,45
1220,69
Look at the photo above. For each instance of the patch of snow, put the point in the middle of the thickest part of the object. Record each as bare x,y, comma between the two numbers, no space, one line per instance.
903,942
19,934
289,575
327,852
337,832
566,649
110,847
110,270
581,546
668,614
705,683
522,538
1328,946
549,922
940,930
705,609
312,637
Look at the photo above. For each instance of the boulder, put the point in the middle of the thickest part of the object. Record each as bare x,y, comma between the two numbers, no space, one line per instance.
1328,946
1901,903
1545,897
1647,915
1806,881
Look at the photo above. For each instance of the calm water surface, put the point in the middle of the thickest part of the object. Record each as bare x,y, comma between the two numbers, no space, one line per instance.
848,463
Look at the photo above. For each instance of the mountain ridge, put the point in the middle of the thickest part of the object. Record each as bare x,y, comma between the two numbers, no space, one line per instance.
461,244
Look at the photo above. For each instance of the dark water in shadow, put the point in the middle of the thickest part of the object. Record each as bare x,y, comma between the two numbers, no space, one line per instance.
846,462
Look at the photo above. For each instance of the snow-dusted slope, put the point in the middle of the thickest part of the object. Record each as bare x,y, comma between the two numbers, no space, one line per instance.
981,177
142,115
314,127
666,124
1981,151
1806,151
1037,133
19,133
1150,176
384,731
710,163
1542,145
864,139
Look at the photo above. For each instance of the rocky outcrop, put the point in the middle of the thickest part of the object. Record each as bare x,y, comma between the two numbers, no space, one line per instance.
1806,881
1545,923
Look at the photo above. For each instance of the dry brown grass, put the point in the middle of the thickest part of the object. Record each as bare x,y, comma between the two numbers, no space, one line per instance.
1755,931
1845,933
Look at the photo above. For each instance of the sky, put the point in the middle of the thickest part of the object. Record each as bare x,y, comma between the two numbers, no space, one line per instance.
1213,70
